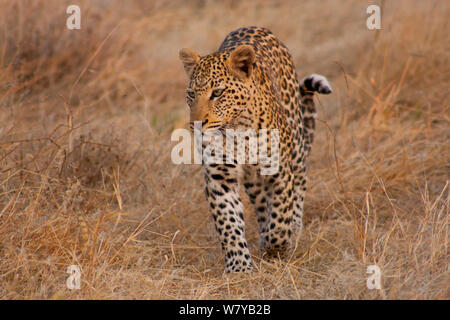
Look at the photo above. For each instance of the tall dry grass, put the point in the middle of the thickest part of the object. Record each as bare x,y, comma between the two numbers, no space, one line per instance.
86,176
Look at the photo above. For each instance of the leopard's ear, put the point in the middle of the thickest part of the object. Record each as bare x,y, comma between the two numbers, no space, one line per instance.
241,61
189,59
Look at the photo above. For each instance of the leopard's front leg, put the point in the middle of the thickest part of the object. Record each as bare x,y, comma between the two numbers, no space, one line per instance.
276,237
222,193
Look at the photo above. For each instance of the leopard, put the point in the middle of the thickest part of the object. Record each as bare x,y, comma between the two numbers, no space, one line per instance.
250,82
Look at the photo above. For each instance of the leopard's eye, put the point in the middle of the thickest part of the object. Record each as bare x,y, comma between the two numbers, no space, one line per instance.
217,93
191,94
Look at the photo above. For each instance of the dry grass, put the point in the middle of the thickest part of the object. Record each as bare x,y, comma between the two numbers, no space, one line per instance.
86,176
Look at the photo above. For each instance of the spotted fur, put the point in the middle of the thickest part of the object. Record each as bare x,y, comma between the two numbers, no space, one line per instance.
250,82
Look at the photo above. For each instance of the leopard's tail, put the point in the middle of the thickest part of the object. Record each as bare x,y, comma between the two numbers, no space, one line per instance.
309,85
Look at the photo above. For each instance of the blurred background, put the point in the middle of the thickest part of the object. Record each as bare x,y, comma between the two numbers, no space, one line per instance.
86,177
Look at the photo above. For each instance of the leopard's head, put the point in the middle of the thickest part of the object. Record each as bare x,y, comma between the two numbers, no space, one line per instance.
219,86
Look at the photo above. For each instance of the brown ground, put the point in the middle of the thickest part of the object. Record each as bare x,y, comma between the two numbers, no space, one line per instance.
86,176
